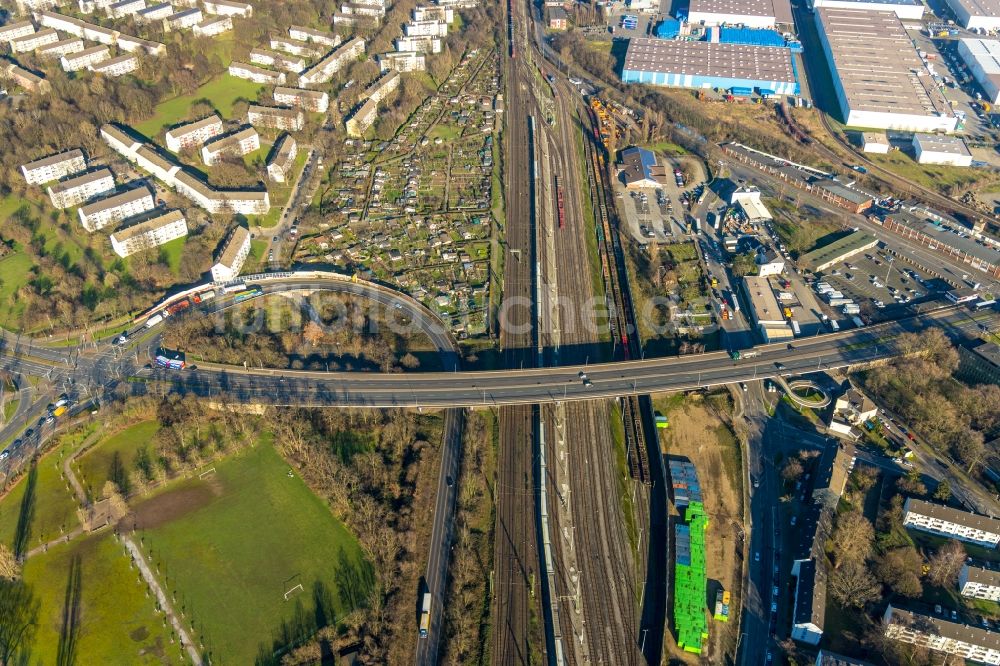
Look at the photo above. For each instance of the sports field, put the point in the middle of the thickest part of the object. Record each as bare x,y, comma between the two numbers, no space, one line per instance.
51,507
93,467
93,608
231,544
222,92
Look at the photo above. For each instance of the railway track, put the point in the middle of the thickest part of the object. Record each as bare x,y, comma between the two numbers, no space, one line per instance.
515,551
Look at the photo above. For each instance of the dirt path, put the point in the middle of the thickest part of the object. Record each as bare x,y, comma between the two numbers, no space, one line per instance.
65,538
150,579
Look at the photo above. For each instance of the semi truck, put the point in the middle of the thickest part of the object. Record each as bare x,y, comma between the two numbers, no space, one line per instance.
425,615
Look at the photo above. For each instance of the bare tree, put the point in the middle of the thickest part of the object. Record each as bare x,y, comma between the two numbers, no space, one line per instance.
853,586
946,563
9,566
853,535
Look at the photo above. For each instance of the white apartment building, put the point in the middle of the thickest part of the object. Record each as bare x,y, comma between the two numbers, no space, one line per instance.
213,25
116,208
117,66
80,188
457,4
59,22
381,87
34,40
156,12
228,8
310,100
133,44
425,13
186,18
316,36
241,142
402,61
279,60
358,9
246,202
295,47
275,117
978,583
242,70
419,44
362,119
61,48
234,252
96,33
283,157
426,29
150,233
125,8
948,522
324,70
74,62
90,6
15,30
194,134
966,641
344,19
54,167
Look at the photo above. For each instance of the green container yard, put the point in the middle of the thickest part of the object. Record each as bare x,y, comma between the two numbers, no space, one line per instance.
690,580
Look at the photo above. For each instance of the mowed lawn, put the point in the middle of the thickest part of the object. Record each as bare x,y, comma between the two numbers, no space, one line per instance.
94,466
222,92
53,508
116,622
233,543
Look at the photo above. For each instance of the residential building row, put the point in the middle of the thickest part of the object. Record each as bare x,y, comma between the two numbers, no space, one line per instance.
213,25
240,142
966,641
186,183
144,234
242,70
81,187
953,523
295,47
279,60
115,208
333,62
54,167
316,36
275,117
233,254
28,80
363,118
309,100
194,134
283,156
402,61
96,33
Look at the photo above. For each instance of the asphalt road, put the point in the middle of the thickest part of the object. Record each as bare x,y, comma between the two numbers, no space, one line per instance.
529,386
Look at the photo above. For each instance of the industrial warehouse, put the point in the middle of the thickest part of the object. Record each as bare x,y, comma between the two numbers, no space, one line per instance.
880,80
976,14
682,64
904,9
982,57
749,13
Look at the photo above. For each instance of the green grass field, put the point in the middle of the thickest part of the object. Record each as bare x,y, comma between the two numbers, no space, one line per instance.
116,623
173,251
222,92
93,467
54,508
14,274
231,546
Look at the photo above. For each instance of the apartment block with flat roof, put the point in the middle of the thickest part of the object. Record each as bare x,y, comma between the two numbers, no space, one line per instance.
149,233
81,187
425,29
948,522
434,13
12,31
213,25
242,70
182,20
275,117
283,156
968,642
74,62
241,142
294,64
310,100
194,134
334,61
34,40
979,583
317,36
425,44
54,167
402,61
228,8
117,66
234,252
60,48
116,208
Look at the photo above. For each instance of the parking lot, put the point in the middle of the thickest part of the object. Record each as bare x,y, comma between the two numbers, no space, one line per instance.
660,214
880,284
